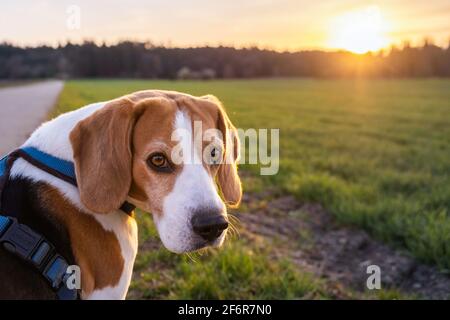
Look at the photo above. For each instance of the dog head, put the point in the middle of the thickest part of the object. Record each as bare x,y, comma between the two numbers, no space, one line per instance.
170,154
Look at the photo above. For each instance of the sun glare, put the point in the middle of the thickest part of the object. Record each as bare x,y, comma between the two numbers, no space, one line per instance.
359,31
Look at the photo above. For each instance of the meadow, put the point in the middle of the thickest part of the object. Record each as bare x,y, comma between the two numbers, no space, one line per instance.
373,153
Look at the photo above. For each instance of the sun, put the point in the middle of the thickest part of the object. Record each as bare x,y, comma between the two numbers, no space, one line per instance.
359,31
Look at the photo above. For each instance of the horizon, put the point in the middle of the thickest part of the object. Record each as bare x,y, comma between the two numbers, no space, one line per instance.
355,26
152,44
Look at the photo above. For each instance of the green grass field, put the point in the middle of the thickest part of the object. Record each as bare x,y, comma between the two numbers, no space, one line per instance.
376,154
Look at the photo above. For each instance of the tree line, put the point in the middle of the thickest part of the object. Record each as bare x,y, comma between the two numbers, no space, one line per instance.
142,60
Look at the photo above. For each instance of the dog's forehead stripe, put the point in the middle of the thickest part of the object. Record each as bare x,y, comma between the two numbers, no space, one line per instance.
185,135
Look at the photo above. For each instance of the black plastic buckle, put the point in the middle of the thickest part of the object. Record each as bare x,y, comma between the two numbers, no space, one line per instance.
56,271
30,246
25,243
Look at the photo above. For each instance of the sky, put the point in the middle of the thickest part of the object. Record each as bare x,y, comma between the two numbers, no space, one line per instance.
355,25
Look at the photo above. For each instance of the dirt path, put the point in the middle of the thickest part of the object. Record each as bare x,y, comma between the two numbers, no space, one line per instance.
315,242
22,109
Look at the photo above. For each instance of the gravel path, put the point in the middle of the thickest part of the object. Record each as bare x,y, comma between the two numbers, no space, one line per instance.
22,109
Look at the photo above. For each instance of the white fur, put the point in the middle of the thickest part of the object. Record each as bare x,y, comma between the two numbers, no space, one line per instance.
53,137
125,229
194,189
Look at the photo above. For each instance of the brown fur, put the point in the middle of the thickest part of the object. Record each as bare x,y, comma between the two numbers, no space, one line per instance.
152,133
96,250
111,148
228,178
210,111
102,154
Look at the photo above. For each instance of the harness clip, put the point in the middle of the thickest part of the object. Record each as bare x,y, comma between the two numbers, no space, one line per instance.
25,243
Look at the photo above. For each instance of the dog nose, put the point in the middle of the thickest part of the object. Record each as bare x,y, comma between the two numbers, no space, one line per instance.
209,227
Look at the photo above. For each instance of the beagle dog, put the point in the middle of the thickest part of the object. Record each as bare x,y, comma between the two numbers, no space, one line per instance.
123,150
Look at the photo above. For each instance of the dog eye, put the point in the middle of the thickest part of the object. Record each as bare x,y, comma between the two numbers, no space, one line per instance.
215,154
159,162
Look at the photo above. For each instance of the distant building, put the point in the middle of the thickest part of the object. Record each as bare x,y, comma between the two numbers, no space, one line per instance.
187,74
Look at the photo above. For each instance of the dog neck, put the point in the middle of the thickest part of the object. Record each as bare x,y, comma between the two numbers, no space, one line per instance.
92,235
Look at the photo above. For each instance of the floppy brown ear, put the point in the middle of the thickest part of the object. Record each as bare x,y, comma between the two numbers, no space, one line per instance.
227,176
101,147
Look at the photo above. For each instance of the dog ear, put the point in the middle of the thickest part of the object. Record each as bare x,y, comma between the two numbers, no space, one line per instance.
102,152
227,177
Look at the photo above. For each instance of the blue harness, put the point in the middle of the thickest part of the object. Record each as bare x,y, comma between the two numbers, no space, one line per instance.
62,166
29,245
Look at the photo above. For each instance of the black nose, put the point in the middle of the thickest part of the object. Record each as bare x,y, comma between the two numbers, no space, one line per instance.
209,227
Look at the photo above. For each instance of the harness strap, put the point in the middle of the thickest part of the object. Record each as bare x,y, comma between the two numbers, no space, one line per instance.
29,245
60,168
34,249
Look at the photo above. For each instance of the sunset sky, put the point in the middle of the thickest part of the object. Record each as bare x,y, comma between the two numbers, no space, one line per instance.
354,25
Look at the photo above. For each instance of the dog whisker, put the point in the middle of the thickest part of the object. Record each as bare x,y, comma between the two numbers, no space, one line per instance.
234,231
191,257
234,220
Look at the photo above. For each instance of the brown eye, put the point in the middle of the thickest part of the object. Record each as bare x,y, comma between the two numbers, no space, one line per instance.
215,156
159,162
